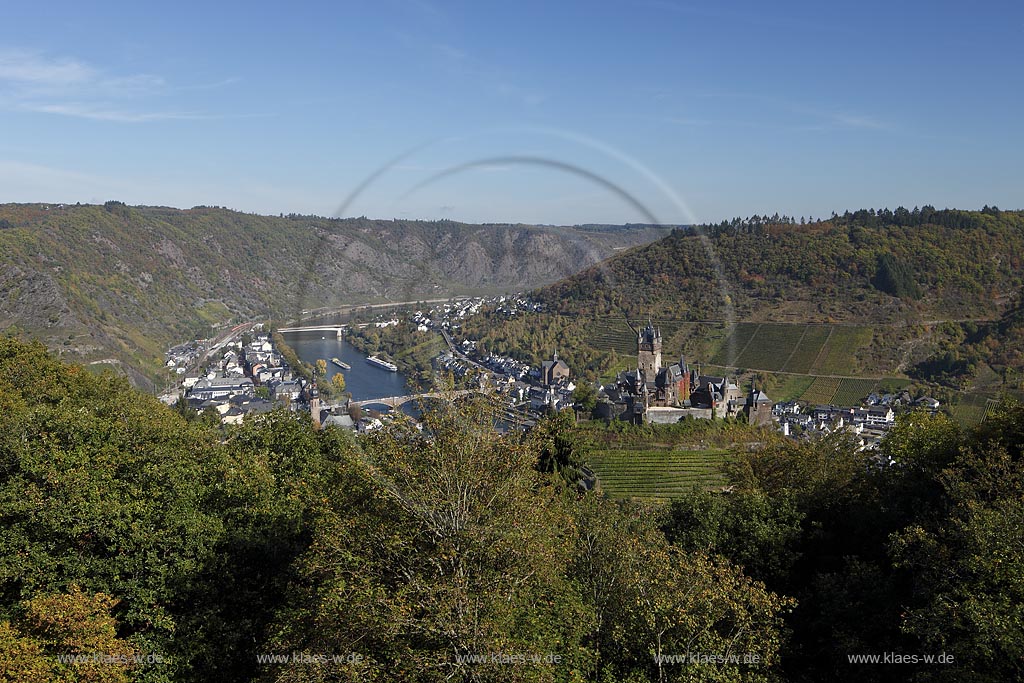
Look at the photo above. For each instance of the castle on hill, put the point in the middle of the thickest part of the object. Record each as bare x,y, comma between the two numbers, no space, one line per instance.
654,392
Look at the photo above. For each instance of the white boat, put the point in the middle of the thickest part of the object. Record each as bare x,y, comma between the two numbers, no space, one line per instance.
373,360
341,364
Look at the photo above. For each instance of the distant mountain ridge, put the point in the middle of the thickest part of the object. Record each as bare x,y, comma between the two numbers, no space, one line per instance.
118,283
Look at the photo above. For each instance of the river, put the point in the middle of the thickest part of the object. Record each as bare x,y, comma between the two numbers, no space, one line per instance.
363,381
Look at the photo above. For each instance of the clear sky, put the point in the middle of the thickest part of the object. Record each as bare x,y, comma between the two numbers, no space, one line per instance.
698,111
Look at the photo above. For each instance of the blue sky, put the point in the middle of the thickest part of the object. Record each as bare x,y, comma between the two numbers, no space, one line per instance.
698,111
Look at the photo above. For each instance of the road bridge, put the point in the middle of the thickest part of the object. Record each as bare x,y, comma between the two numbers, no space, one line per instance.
334,329
398,401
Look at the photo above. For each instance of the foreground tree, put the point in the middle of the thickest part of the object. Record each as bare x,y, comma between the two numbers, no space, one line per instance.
453,546
440,554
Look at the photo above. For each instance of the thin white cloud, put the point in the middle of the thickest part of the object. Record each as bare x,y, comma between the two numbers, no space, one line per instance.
33,82
22,182
813,117
679,121
28,68
451,52
857,121
88,111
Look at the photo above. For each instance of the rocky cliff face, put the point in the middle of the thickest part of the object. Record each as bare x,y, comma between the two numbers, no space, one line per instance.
117,284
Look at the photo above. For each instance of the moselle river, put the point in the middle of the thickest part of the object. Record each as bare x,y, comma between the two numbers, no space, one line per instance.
363,381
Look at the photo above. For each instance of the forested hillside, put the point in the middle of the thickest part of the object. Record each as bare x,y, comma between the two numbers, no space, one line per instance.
894,281
123,282
127,531
865,266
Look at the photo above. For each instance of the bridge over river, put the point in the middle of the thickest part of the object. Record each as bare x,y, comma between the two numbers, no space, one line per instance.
398,401
333,329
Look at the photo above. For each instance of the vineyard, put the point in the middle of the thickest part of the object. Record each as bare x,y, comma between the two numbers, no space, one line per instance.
970,409
802,358
656,474
791,387
837,354
606,334
797,348
821,391
771,346
734,344
851,392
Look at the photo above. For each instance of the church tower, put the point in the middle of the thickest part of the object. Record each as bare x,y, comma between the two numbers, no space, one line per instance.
648,353
314,404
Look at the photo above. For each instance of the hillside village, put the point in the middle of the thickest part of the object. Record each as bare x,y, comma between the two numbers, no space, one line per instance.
248,377
664,394
251,376
660,393
655,391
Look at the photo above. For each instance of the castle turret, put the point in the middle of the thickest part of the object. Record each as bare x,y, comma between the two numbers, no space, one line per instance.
648,356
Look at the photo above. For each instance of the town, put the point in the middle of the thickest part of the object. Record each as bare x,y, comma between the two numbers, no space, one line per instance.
245,374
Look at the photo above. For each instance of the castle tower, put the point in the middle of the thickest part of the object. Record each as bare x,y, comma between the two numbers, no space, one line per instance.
648,352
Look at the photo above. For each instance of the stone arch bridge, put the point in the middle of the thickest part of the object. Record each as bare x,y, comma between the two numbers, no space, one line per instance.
398,401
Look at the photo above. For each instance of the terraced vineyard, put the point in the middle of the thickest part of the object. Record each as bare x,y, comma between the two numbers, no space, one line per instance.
790,387
771,346
734,344
798,348
837,354
852,391
821,391
606,334
802,358
656,474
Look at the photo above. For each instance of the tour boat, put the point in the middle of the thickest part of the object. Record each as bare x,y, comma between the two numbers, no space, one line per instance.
373,360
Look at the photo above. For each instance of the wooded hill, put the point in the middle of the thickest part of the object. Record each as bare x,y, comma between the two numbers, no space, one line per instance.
866,266
121,282
897,276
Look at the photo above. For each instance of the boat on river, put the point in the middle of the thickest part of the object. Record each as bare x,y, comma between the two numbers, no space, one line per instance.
383,364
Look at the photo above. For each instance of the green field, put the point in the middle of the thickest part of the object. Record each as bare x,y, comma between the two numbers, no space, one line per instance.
790,387
852,391
656,474
799,348
970,409
821,391
771,346
837,354
806,352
